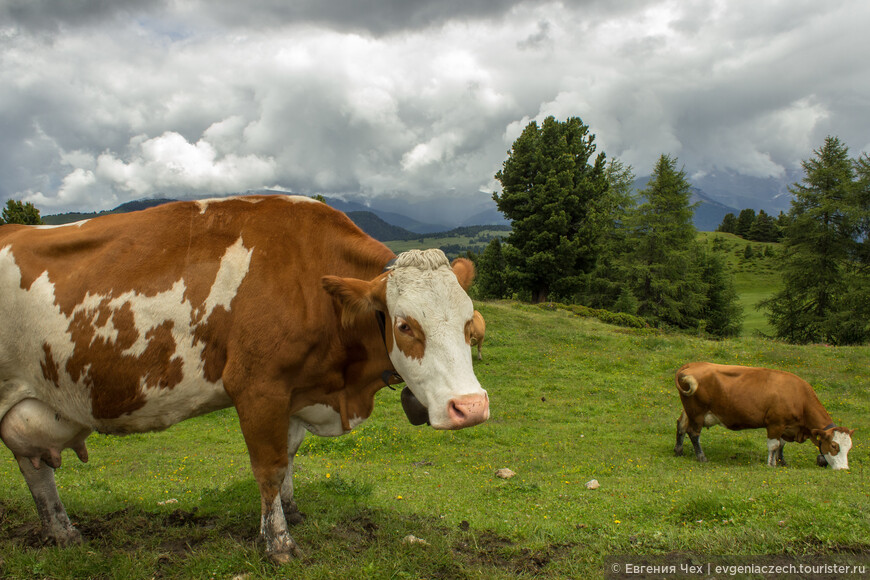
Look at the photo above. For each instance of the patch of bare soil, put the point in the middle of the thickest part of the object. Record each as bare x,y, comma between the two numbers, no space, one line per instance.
357,532
489,550
178,531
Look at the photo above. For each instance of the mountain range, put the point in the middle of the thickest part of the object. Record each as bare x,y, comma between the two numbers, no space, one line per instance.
716,194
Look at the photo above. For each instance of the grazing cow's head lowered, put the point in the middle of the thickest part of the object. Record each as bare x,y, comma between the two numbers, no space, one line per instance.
834,445
428,332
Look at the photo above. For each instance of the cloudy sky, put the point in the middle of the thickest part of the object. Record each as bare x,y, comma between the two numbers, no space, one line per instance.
103,101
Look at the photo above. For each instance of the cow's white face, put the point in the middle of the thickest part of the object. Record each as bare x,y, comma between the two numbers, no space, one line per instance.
431,317
428,333
836,449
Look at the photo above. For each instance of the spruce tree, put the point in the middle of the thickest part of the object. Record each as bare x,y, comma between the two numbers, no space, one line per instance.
491,282
606,287
744,222
722,312
555,192
661,265
17,212
820,268
729,224
764,229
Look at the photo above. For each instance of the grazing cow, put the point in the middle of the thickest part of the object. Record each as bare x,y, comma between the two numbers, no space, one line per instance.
276,305
478,331
751,398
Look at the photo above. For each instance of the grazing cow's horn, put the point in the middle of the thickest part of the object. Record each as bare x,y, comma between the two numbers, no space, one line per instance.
417,414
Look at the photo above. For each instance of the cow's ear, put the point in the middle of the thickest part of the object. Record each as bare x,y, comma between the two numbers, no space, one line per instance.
357,297
464,270
818,435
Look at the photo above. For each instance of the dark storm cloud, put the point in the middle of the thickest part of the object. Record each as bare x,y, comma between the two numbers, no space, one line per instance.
50,15
102,102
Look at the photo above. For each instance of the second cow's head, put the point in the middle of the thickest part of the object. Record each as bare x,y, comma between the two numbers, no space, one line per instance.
428,330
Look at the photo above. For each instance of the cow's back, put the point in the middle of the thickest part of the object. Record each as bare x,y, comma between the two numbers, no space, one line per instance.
107,316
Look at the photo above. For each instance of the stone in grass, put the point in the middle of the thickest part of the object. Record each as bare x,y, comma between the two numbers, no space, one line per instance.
592,484
504,473
412,539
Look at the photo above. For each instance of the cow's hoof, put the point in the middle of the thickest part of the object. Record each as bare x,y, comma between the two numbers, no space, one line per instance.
702,459
63,537
678,451
285,556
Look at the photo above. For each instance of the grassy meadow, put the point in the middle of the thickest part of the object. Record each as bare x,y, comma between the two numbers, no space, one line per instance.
572,400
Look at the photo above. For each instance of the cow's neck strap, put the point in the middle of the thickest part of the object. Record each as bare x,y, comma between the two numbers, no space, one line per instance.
387,375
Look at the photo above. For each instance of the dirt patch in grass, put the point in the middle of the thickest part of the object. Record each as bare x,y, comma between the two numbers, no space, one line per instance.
489,550
175,532
356,532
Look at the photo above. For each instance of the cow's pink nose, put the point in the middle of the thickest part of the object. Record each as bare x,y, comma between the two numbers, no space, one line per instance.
468,411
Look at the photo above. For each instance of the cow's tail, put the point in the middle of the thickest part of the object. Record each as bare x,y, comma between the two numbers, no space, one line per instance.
687,385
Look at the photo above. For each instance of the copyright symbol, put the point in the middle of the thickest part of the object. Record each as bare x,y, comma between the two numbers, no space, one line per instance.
615,568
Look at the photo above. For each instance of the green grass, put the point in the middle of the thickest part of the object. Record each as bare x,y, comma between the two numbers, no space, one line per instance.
755,279
572,399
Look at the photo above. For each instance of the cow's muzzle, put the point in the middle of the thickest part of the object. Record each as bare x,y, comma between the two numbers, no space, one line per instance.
468,411
462,412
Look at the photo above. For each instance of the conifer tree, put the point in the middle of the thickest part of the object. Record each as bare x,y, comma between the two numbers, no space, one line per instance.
17,212
555,192
729,224
722,312
822,267
606,285
661,265
491,282
744,222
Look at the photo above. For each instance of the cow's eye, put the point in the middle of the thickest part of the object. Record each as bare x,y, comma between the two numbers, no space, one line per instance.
404,328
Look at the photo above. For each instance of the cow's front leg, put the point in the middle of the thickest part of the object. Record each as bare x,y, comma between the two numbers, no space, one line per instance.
55,523
265,424
774,451
295,435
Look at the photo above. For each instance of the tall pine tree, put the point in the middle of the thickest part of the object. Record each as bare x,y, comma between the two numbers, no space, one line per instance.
490,282
661,266
821,266
555,192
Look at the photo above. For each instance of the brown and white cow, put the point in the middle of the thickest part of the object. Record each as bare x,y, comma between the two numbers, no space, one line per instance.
741,397
131,323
